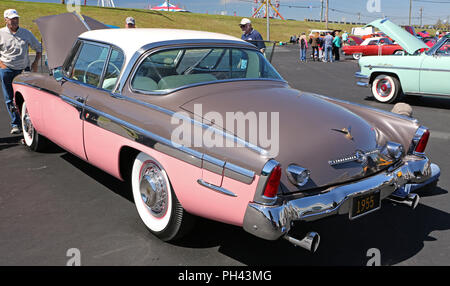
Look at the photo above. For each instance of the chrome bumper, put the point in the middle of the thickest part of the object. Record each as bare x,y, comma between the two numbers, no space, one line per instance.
363,80
273,221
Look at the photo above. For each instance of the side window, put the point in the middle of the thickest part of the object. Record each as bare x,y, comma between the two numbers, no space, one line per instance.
113,69
444,50
70,60
89,64
372,43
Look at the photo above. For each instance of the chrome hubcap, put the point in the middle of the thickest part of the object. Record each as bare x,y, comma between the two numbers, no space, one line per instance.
27,125
153,190
384,88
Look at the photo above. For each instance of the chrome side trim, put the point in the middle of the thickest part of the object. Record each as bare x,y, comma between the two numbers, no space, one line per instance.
216,131
36,87
406,68
154,141
216,188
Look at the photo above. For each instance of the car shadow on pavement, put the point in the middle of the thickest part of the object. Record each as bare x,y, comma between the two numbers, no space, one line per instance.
119,187
8,142
397,232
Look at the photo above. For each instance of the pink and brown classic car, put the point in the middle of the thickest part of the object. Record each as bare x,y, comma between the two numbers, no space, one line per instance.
115,98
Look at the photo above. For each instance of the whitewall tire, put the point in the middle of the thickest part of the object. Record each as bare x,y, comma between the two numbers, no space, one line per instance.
156,202
32,139
386,88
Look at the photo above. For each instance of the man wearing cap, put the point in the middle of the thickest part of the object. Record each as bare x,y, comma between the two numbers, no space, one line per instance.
130,23
251,35
14,43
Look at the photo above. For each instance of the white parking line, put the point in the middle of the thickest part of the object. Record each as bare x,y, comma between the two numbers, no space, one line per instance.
440,135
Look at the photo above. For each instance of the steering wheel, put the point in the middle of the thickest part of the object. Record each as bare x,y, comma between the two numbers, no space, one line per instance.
116,69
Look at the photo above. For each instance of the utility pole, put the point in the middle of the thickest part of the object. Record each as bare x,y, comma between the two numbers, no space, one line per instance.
321,11
410,9
421,13
268,21
326,16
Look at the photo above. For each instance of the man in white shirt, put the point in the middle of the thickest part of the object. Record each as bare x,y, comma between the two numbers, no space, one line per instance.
14,43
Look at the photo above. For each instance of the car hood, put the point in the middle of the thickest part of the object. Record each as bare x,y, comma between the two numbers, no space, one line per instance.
59,33
407,41
309,130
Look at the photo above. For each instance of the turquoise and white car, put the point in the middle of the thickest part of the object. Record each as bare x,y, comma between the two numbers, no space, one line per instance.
419,71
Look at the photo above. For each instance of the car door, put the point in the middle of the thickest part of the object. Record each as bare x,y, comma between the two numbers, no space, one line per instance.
435,70
82,74
371,49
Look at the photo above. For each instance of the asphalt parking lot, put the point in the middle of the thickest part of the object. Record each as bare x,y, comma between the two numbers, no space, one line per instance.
53,202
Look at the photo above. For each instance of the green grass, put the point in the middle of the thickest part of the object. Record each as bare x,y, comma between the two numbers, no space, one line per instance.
280,30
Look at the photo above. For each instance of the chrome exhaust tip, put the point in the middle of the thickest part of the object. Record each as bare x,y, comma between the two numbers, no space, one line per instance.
310,242
411,200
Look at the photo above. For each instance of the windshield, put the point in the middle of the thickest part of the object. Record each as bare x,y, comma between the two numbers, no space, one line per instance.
442,42
166,70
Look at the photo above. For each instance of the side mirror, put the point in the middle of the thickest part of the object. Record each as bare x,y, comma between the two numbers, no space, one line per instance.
57,74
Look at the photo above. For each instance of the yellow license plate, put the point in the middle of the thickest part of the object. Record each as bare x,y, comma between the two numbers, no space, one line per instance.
365,204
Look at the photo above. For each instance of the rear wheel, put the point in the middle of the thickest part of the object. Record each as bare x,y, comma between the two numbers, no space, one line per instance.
399,52
155,200
386,88
32,139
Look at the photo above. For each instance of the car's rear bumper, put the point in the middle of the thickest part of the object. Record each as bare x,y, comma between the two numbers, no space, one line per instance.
273,221
363,80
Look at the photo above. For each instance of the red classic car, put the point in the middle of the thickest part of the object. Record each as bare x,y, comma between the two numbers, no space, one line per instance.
373,47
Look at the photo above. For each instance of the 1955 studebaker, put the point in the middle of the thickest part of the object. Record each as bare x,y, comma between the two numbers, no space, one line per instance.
115,97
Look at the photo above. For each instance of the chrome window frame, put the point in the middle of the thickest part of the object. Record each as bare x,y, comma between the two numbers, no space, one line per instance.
136,58
168,91
110,48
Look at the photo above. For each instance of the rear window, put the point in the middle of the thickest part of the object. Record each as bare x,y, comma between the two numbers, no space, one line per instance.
166,70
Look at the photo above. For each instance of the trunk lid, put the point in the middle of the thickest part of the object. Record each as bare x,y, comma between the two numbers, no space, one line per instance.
309,132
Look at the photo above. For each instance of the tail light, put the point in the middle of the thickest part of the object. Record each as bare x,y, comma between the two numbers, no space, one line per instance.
422,144
273,183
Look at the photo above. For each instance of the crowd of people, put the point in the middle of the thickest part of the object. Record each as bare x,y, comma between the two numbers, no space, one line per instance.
324,47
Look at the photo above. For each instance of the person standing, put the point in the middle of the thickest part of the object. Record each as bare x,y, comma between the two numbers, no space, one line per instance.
328,46
303,44
130,23
337,43
345,38
315,46
251,35
14,43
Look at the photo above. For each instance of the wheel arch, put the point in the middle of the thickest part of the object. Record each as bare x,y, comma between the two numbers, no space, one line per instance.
374,75
127,155
18,101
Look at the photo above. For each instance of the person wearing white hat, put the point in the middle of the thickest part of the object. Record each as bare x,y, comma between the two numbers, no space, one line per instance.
130,22
251,35
14,43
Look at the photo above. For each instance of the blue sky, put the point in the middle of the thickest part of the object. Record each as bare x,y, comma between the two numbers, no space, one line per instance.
347,10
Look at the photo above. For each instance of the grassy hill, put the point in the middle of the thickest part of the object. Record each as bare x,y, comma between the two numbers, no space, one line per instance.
280,30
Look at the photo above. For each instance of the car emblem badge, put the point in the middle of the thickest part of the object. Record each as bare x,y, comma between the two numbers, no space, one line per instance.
345,131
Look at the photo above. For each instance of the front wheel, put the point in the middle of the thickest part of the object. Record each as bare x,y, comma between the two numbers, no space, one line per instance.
31,138
357,56
386,88
156,202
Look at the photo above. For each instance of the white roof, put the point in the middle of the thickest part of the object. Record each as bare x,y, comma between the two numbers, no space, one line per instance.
366,41
131,40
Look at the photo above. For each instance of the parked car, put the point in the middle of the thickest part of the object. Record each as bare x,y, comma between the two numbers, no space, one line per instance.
116,100
373,47
421,73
